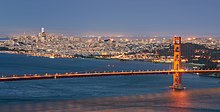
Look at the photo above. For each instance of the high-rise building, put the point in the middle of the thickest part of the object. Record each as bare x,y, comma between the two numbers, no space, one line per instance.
43,33
42,30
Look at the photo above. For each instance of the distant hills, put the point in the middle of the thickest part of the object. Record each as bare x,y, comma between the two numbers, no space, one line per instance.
188,51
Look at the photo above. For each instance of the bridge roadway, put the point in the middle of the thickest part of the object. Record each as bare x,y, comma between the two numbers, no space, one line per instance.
96,74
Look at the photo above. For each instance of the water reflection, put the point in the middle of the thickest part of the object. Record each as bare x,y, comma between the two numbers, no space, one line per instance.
175,101
179,99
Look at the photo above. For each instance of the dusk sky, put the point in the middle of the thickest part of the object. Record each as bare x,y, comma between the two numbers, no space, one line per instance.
195,17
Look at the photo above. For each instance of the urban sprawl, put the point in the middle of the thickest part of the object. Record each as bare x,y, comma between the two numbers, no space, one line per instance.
197,51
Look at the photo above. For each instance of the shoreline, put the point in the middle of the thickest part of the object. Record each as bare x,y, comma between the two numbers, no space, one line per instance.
52,56
9,52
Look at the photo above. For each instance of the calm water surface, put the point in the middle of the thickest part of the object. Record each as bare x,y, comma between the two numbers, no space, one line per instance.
63,94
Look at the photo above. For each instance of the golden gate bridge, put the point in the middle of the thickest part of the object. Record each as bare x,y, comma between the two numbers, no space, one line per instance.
177,71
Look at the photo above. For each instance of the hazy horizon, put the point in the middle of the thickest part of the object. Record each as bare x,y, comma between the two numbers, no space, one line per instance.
125,17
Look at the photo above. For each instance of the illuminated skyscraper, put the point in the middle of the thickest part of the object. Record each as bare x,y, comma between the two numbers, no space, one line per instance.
43,33
42,30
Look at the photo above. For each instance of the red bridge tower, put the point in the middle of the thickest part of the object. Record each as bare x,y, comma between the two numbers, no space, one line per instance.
177,64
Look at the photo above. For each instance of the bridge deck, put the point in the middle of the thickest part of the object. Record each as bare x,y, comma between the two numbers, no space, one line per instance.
75,75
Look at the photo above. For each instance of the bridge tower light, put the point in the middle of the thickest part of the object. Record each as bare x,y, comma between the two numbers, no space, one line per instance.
177,64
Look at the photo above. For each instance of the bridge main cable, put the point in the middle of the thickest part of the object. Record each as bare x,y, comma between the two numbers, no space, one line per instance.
77,75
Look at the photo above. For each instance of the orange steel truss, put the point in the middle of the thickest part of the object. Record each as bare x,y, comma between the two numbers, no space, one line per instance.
177,64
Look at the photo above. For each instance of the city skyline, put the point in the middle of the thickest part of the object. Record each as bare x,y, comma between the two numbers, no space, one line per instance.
152,17
109,55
